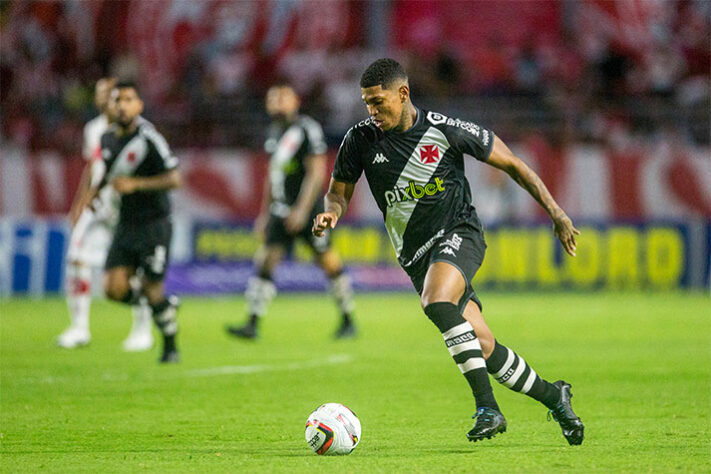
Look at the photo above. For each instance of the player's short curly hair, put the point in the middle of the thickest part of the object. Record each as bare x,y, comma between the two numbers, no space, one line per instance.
128,84
382,72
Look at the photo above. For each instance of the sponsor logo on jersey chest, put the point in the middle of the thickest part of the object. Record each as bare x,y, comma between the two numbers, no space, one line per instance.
413,191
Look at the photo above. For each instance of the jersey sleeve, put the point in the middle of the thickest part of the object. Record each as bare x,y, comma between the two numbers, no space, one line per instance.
348,167
314,134
471,139
159,150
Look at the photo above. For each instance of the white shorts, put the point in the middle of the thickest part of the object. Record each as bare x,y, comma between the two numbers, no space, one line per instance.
90,240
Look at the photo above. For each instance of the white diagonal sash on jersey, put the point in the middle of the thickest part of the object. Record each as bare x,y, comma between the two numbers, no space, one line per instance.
288,145
122,166
399,214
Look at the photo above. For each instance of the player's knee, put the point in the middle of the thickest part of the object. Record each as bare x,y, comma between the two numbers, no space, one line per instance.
116,291
429,297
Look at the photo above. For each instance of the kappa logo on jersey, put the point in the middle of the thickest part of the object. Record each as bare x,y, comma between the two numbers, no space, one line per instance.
448,251
380,158
413,191
429,154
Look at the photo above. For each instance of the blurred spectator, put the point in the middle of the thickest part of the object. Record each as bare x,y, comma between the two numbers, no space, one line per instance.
570,70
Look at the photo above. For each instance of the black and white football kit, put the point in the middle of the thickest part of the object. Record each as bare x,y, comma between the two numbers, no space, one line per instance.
143,234
417,179
288,147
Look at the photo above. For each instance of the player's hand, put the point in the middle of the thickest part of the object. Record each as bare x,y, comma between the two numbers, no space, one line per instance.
323,221
295,221
125,185
566,232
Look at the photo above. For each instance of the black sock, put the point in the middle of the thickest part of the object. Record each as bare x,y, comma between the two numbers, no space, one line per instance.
165,317
509,369
253,321
169,343
465,349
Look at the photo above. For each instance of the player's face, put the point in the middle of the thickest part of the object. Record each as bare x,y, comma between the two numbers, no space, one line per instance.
282,102
102,93
127,105
385,105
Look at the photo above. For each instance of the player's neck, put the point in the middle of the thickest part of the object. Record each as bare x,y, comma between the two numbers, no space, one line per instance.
127,129
408,119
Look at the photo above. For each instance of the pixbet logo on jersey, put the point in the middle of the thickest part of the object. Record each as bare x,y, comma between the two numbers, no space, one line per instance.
413,191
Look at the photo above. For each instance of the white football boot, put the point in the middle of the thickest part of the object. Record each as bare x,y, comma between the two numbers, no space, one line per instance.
141,336
74,337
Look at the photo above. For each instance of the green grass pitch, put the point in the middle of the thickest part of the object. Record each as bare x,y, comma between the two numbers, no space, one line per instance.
639,363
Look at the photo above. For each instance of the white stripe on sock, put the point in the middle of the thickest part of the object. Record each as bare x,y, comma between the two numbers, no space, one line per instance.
529,382
517,373
472,364
457,330
507,364
465,346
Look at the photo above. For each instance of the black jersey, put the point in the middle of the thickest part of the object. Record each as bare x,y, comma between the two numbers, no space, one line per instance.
144,152
416,177
288,147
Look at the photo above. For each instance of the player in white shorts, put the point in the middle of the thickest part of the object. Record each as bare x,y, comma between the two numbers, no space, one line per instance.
94,220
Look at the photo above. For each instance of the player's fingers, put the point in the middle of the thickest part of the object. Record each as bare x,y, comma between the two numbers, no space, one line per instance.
576,231
332,222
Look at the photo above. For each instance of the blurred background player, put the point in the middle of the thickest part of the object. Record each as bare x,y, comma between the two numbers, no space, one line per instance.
93,224
140,166
297,168
413,161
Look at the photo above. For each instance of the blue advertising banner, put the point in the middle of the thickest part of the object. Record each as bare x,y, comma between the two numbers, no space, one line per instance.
217,258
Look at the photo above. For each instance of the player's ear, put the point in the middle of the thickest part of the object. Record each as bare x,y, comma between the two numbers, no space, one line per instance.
404,93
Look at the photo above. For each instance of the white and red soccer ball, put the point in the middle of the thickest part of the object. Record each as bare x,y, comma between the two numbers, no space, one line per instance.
333,429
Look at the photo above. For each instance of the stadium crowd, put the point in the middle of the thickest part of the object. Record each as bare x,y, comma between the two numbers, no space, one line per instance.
641,71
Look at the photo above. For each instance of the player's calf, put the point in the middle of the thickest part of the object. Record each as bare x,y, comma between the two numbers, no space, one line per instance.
464,347
165,318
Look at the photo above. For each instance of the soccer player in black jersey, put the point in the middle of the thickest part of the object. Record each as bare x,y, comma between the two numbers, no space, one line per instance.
142,169
297,169
413,160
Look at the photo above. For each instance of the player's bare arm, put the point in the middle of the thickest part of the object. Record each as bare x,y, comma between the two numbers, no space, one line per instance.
335,204
315,166
260,223
503,158
82,196
164,181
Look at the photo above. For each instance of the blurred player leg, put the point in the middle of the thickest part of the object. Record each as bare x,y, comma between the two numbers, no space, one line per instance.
342,291
164,311
78,285
141,336
260,291
512,371
87,250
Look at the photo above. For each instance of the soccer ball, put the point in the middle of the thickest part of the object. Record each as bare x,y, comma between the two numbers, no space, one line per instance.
332,429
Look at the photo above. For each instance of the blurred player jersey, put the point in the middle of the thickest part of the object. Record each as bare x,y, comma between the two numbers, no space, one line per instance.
105,205
416,177
288,147
144,152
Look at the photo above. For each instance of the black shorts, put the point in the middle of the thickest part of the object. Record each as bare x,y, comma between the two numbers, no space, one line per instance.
145,246
276,234
463,247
